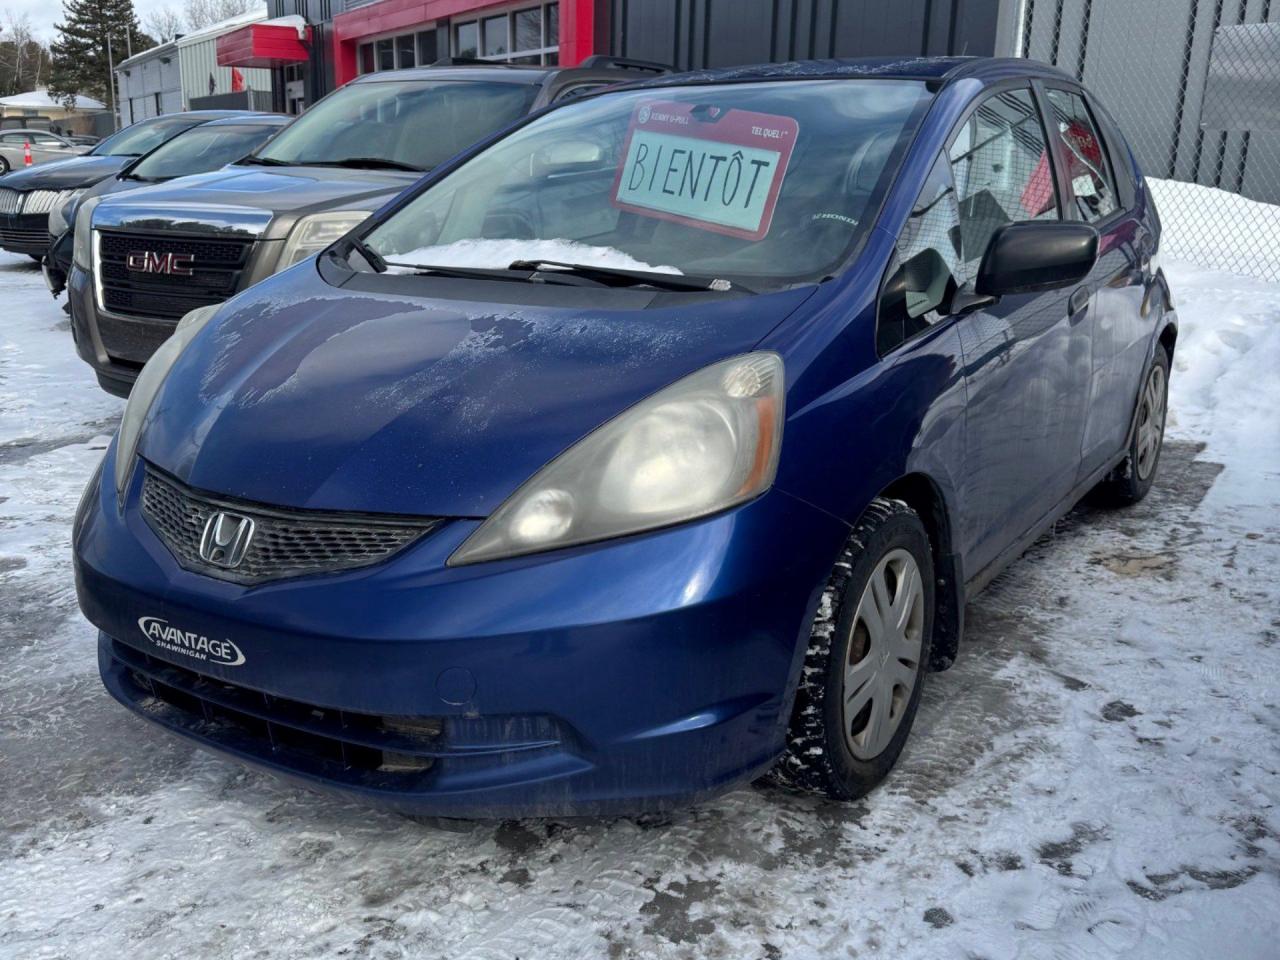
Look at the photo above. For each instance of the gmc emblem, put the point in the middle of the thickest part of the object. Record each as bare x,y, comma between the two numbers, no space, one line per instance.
149,261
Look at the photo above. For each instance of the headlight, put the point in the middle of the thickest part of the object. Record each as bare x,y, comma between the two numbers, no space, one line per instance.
148,384
312,234
84,234
60,215
703,444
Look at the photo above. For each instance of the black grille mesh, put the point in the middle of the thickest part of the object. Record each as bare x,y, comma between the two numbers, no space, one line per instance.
284,543
217,267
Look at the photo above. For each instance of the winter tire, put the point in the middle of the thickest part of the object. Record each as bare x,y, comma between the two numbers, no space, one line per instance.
1132,480
864,668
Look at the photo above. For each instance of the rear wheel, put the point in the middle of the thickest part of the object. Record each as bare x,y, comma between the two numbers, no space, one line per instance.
1132,480
4,166
864,669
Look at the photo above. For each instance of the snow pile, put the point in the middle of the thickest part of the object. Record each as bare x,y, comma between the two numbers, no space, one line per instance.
499,254
1218,229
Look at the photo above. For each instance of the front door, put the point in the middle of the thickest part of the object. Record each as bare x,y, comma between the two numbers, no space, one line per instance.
1028,357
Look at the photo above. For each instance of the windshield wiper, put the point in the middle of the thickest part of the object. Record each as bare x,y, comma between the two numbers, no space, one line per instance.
265,161
367,163
620,277
513,274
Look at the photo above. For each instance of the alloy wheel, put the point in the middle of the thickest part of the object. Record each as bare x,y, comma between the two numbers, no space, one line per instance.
883,666
1151,422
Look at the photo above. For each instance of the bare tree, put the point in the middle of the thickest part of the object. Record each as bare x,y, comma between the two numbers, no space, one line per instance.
164,24
204,13
24,60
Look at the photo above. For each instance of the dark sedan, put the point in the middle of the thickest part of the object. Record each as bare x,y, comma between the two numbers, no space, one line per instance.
27,197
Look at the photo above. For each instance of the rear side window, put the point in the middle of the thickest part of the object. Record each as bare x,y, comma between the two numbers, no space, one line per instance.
1002,169
1089,176
927,268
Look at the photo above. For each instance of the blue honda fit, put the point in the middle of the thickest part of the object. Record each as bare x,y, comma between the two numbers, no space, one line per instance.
652,446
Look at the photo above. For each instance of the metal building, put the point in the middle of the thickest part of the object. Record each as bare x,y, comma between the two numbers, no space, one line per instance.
149,84
208,86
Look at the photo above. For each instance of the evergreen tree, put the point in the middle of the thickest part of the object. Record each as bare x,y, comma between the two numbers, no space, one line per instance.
80,54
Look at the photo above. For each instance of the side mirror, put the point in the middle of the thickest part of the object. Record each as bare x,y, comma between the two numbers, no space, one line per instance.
568,156
1036,255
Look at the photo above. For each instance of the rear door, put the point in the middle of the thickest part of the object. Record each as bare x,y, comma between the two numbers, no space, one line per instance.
1118,333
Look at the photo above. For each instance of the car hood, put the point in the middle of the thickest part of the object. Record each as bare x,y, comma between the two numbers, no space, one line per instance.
266,190
300,394
69,174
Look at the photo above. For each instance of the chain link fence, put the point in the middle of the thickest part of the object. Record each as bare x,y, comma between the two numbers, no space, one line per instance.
1195,87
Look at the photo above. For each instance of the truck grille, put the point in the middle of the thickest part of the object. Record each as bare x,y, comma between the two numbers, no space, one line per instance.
215,265
285,543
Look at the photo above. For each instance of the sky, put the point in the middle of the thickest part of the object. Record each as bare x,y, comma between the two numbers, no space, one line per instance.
43,14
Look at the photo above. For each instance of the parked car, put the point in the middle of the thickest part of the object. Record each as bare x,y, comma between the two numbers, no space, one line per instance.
653,446
42,145
203,239
28,196
198,149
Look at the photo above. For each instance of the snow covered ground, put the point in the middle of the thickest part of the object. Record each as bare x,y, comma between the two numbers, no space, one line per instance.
1096,778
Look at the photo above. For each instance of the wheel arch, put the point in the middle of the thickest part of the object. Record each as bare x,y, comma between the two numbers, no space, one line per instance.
922,494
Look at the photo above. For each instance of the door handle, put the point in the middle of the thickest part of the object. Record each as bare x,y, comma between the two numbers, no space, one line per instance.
1079,300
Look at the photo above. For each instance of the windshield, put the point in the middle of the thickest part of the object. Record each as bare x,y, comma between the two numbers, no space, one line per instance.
770,183
414,123
144,136
205,148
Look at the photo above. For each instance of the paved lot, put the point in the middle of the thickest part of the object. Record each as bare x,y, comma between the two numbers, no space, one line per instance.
1096,778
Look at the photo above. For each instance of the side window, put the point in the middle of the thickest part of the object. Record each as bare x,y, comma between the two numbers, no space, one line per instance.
926,270
1093,192
1002,171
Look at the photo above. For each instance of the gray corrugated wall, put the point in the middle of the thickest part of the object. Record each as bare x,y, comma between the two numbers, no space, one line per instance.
1147,60
692,34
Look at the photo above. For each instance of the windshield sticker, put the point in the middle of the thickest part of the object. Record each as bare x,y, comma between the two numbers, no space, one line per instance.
713,169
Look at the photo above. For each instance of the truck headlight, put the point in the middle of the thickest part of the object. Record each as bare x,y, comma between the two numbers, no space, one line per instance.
699,446
60,217
145,388
312,234
82,252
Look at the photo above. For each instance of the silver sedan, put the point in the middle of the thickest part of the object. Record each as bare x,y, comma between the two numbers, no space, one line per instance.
45,146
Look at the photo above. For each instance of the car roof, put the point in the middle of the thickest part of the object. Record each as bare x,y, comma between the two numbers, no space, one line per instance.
265,119
30,130
945,69
502,73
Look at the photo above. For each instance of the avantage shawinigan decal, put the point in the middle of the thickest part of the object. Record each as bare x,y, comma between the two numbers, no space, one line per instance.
189,643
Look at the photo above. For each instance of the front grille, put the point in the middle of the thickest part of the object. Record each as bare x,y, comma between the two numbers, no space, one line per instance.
383,752
217,266
39,201
31,201
285,543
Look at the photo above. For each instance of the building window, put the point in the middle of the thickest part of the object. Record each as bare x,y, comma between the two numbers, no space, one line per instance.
386,54
158,110
524,35
427,47
406,51
397,53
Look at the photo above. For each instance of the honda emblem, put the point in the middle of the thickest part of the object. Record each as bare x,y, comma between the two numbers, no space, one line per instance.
226,539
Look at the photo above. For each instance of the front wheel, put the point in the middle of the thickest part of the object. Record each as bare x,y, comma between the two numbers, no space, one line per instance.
865,665
4,166
1132,480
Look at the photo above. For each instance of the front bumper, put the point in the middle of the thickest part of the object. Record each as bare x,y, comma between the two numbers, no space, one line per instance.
632,675
25,233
